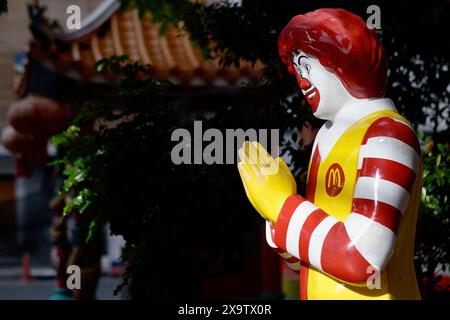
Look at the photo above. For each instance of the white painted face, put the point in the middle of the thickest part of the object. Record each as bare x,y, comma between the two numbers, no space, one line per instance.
322,89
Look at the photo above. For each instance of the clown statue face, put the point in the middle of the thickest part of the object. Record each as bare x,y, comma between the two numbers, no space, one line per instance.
336,59
322,88
351,235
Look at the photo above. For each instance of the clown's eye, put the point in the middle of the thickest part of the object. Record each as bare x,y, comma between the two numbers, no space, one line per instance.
307,67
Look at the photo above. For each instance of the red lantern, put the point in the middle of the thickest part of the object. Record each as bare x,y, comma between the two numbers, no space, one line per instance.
14,141
29,150
38,116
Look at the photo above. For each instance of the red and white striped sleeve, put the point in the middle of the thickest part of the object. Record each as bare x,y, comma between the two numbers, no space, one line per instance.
292,262
388,163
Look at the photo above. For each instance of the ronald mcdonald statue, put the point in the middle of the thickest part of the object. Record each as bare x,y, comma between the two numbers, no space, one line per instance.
351,236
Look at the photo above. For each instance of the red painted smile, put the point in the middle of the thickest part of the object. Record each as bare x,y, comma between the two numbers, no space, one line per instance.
311,93
313,98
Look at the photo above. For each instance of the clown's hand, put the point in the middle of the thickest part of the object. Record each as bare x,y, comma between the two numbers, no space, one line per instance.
267,182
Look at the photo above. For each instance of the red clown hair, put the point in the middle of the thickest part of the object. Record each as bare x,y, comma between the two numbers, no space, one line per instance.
343,44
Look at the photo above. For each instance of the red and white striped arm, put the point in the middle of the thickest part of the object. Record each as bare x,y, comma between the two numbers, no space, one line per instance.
388,163
292,262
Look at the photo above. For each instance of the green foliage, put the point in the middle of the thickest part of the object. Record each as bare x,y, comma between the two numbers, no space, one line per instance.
165,12
436,181
433,241
117,165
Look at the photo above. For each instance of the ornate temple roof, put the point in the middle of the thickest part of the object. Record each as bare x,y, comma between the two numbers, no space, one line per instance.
109,31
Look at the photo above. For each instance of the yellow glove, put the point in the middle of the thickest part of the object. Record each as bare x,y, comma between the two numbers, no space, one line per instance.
267,182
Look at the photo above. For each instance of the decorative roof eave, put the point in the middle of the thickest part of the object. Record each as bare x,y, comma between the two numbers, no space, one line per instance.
111,32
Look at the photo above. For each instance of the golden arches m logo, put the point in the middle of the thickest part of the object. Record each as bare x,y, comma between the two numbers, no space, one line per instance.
335,179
